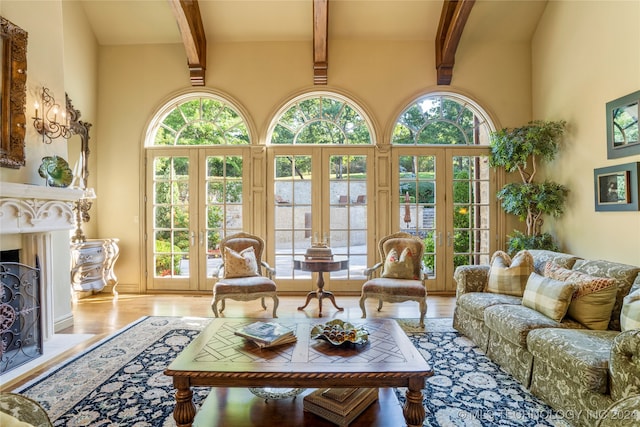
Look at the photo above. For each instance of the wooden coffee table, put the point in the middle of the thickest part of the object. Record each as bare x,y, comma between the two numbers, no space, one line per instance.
219,358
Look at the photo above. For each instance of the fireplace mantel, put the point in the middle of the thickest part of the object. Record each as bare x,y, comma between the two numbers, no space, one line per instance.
28,208
34,213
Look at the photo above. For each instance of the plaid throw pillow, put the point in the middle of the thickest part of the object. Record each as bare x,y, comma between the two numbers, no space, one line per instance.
593,298
509,276
548,296
630,315
240,264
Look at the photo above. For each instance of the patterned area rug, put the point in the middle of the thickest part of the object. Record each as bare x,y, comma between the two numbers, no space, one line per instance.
120,380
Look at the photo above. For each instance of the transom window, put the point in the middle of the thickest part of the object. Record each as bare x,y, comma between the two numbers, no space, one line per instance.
321,119
200,120
442,120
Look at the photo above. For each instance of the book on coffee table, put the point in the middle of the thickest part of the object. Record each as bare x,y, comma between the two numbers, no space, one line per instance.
340,405
267,334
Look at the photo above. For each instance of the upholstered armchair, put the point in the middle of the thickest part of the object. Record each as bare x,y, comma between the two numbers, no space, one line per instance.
241,275
402,273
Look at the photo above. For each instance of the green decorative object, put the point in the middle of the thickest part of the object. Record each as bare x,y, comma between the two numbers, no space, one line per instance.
56,171
521,149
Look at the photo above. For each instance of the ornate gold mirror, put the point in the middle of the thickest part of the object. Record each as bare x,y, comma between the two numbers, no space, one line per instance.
78,145
13,95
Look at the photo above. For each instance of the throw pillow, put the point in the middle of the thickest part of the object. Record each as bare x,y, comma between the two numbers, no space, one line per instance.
7,420
630,315
593,299
240,264
548,296
509,276
399,267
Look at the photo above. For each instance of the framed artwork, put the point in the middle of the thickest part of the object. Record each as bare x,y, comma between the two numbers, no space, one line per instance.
622,126
616,187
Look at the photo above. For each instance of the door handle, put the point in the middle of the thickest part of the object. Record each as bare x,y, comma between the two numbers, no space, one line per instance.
201,234
193,238
448,238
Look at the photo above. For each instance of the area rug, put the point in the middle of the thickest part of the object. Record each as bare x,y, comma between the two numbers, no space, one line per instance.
120,381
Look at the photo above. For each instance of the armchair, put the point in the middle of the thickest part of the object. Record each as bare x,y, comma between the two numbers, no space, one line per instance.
241,277
402,274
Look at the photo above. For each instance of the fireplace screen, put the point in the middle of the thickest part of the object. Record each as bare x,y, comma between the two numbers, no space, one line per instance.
20,315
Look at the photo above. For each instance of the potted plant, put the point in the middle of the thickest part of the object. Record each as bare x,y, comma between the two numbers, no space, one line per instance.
522,149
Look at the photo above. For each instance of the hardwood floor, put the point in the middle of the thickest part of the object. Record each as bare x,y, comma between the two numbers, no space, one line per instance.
103,315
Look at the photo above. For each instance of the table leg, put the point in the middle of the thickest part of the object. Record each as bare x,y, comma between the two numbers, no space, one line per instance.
413,410
185,410
320,293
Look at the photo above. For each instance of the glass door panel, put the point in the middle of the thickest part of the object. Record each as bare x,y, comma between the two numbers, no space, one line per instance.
445,198
171,236
347,228
417,190
196,200
319,195
471,189
223,206
292,205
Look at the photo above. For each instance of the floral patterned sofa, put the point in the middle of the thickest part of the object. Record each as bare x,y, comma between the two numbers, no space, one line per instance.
584,372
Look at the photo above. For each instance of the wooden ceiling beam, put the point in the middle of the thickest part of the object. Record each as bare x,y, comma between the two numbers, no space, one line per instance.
187,13
320,38
452,21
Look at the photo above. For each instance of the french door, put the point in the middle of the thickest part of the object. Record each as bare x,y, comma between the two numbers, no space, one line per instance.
194,197
446,196
320,194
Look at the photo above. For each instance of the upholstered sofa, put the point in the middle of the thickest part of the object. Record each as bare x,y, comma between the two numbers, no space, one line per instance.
580,371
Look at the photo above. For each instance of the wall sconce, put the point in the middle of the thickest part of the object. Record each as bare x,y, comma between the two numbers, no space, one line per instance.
82,207
47,125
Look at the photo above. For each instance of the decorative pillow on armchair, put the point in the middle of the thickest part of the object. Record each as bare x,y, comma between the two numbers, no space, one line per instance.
630,315
240,264
548,296
593,299
509,276
399,268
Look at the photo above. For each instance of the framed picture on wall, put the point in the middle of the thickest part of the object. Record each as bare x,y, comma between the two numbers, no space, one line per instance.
622,126
616,187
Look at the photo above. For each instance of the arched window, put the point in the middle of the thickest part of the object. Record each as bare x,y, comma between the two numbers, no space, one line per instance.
442,119
321,119
199,119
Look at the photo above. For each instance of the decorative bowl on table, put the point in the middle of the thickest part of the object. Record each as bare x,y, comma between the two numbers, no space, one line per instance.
339,332
271,393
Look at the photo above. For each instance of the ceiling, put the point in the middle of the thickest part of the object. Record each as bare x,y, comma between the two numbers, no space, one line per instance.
118,22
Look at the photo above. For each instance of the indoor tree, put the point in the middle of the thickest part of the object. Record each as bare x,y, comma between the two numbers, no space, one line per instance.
521,150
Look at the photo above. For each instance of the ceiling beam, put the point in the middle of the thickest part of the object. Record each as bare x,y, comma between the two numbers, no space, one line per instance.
320,37
452,21
187,13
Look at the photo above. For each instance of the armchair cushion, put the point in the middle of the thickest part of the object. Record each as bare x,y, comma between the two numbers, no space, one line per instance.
399,267
509,276
548,296
240,264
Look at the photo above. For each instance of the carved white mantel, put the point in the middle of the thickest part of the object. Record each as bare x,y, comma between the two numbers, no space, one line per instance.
33,212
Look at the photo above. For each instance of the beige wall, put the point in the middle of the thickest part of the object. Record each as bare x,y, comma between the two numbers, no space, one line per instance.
586,54
569,77
383,76
61,55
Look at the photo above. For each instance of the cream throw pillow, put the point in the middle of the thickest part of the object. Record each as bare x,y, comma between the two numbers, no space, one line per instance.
509,276
240,264
548,296
399,267
630,315
593,298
